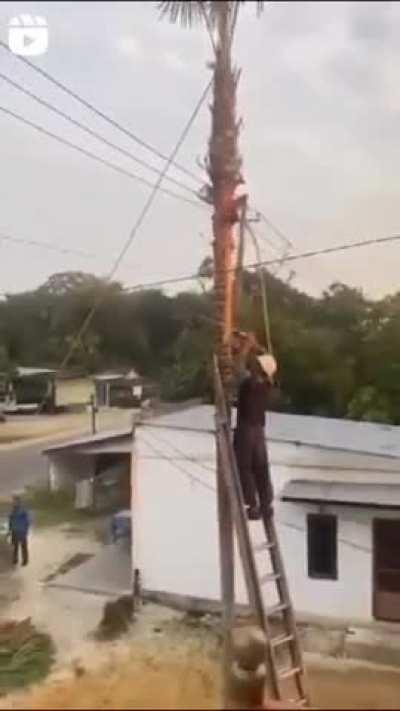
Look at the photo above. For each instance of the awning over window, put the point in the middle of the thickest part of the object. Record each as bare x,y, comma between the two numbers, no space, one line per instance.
377,495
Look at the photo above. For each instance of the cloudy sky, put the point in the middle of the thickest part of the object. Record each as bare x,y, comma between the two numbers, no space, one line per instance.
320,101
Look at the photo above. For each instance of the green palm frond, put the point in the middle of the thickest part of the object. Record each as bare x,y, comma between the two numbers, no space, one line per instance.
189,12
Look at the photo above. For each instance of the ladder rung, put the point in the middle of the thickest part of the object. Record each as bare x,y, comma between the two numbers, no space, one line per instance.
282,639
264,546
276,608
269,578
288,672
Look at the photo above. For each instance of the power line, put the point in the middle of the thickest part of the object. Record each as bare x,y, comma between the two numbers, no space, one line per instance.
138,223
125,131
102,115
121,150
98,159
93,133
274,228
179,451
45,245
54,248
270,262
177,466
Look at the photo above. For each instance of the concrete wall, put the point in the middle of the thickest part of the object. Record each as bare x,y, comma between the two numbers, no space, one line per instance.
175,540
73,391
66,469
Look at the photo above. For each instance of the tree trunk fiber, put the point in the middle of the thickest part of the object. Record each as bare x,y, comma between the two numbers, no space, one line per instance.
224,165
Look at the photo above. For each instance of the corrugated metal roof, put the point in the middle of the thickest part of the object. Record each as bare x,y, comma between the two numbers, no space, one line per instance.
345,435
346,493
90,439
131,375
24,372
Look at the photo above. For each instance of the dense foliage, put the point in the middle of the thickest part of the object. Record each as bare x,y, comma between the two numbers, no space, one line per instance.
338,354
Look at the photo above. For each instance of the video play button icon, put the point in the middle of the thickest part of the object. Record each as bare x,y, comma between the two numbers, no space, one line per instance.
28,40
28,36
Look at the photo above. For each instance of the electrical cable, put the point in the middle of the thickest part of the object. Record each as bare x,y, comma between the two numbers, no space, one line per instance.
177,466
137,224
100,113
269,262
93,133
95,157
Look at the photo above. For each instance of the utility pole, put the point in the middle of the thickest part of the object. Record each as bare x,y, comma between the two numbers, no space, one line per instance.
93,411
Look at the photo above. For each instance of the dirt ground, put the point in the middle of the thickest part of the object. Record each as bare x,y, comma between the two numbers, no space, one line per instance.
162,662
160,675
20,428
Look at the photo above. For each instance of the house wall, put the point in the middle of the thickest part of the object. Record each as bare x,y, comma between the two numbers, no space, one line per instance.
73,391
175,536
66,469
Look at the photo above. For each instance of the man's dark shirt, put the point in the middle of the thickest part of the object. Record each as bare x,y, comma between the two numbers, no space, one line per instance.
253,400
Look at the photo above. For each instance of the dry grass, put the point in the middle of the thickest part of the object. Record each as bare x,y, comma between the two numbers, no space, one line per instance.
162,679
173,673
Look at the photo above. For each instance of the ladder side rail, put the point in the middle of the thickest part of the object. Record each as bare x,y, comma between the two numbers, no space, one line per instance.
246,552
284,593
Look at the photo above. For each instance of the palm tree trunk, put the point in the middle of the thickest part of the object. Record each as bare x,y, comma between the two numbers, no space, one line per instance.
224,166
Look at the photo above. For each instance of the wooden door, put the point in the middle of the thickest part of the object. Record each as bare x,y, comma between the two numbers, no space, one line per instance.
386,579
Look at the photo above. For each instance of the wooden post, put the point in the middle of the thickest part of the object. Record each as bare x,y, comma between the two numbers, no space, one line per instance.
93,411
227,567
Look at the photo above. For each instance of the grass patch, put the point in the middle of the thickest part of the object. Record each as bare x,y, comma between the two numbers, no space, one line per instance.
26,655
50,508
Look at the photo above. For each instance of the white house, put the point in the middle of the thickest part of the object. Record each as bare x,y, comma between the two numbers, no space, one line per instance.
337,509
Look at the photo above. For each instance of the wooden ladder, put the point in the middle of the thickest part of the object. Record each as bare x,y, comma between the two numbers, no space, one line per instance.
285,678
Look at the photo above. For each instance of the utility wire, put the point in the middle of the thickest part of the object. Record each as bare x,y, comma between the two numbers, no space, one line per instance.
54,248
94,156
121,128
179,451
263,290
270,262
137,225
177,466
274,228
93,133
102,115
45,245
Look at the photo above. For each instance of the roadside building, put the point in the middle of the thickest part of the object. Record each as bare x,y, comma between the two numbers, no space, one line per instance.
119,389
30,389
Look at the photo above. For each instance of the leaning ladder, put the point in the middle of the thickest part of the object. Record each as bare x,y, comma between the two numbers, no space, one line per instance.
286,675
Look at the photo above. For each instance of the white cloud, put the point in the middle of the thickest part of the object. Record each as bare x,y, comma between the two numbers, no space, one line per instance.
174,61
129,46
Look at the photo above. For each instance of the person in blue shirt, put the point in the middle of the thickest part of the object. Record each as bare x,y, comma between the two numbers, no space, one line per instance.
19,523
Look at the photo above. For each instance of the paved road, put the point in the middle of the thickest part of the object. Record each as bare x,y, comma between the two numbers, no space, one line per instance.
25,466
21,467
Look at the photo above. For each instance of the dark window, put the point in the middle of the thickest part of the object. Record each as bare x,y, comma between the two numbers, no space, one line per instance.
322,546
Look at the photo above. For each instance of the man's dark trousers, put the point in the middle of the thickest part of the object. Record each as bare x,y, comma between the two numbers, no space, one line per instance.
252,459
19,542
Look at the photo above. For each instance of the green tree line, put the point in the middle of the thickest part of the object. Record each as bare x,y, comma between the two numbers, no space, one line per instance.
339,354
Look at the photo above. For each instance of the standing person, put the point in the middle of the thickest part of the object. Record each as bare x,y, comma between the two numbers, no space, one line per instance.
19,523
254,397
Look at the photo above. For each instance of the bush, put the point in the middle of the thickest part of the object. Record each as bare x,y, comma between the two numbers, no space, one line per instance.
26,655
